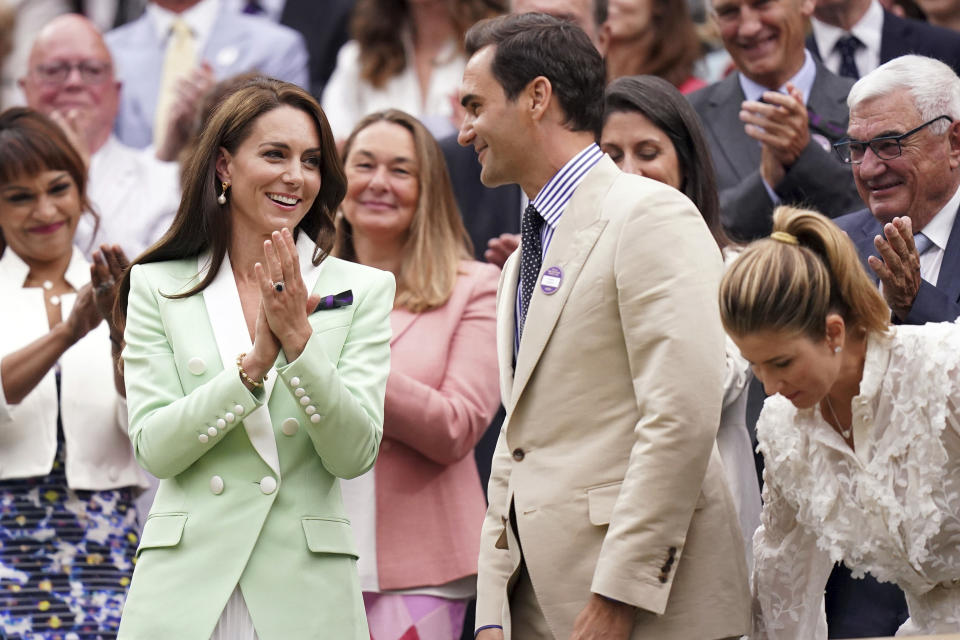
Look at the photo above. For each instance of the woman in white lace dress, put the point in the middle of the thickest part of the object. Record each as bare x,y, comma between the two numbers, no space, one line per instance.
861,440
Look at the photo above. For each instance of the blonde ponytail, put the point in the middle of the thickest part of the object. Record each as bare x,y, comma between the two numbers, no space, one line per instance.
781,285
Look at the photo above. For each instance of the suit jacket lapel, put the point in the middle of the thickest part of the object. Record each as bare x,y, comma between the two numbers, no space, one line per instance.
949,281
572,242
230,331
741,151
894,37
506,323
828,98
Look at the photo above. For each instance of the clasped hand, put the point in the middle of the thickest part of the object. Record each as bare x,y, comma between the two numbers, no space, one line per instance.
282,320
781,124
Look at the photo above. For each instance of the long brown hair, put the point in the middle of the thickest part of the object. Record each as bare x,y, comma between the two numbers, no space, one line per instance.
31,143
437,240
201,223
790,281
675,48
378,27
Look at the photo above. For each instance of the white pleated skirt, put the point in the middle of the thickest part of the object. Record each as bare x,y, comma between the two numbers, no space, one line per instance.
235,622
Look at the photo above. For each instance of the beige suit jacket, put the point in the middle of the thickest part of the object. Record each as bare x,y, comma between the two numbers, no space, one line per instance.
608,450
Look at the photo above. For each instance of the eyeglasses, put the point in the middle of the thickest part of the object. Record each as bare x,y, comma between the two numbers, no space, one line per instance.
91,72
884,147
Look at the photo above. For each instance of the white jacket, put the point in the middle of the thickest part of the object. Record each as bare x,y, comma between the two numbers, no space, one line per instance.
99,455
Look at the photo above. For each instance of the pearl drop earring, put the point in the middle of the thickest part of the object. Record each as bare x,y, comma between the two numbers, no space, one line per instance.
837,349
222,198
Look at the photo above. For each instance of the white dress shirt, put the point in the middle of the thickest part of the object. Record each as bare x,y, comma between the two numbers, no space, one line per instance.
938,230
200,18
868,30
135,195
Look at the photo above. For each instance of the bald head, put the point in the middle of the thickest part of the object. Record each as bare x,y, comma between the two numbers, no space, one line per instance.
70,72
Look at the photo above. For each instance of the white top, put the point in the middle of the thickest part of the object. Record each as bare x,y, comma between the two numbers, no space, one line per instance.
136,195
94,416
892,508
868,30
347,98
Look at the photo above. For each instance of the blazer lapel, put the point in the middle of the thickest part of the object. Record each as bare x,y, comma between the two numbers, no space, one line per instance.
741,152
230,331
400,321
828,99
572,242
506,323
949,281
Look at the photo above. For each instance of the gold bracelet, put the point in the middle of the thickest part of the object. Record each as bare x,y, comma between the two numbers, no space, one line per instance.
243,374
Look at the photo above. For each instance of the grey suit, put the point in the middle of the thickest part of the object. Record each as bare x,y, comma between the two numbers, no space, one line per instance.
817,179
238,43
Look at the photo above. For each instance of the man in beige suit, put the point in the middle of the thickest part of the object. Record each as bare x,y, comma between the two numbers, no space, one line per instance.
609,515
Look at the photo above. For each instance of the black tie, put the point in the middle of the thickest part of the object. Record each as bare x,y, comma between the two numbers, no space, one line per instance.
847,46
253,8
531,258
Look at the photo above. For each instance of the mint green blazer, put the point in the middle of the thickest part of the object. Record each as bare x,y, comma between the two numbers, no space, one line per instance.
248,491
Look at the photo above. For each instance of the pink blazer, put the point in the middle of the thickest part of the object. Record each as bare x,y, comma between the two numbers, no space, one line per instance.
442,392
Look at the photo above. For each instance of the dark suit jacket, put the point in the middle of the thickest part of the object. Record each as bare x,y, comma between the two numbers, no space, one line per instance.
817,179
939,303
326,27
901,36
486,212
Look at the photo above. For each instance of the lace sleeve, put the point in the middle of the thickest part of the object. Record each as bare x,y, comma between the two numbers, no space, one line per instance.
789,574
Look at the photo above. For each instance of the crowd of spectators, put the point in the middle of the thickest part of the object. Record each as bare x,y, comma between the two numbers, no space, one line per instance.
755,110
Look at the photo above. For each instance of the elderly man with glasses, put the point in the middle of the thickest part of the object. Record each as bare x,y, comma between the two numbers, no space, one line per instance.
70,78
903,145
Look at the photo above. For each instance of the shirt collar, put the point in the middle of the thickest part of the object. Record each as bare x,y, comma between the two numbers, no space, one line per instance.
803,81
14,271
272,9
200,18
939,228
868,30
553,198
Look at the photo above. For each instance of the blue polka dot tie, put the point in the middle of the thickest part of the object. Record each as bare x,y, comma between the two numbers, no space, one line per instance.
531,258
847,47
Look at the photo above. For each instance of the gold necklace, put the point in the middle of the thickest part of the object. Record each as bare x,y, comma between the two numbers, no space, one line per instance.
843,432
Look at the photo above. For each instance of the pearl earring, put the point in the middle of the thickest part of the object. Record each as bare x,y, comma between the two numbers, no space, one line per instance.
837,349
222,198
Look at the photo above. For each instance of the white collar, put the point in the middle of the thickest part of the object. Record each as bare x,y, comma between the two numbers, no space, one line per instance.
940,226
14,271
200,18
868,30
803,81
272,9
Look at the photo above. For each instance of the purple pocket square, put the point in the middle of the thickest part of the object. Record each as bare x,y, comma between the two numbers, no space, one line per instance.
342,299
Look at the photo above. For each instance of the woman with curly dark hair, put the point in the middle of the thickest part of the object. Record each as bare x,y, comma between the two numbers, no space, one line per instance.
407,55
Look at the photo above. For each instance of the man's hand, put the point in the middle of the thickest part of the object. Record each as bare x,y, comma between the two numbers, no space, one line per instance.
780,123
74,124
490,634
500,248
190,91
899,270
604,619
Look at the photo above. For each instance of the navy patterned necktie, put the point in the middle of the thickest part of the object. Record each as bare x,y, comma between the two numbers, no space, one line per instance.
847,47
531,258
253,8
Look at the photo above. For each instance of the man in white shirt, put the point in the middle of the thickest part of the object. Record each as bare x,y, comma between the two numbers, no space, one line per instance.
70,78
854,37
903,144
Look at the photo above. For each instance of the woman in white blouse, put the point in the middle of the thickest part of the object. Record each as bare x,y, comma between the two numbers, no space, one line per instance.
68,529
861,440
405,55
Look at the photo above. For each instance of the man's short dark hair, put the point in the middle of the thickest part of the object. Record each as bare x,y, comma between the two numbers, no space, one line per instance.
530,45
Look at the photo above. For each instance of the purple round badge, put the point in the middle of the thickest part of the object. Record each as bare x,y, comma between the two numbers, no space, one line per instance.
551,279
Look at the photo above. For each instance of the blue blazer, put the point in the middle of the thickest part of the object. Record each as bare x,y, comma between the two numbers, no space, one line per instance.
940,303
238,43
901,36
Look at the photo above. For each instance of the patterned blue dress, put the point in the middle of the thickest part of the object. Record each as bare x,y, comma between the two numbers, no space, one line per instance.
66,557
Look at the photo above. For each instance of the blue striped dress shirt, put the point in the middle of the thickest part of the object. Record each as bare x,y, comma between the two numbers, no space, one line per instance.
550,204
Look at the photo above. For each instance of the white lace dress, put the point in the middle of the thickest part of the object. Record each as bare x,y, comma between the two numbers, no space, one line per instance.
892,508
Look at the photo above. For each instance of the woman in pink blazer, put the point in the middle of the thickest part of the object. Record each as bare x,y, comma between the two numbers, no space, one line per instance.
417,515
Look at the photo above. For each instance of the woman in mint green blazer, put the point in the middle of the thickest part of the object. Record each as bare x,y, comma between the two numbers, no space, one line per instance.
255,369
